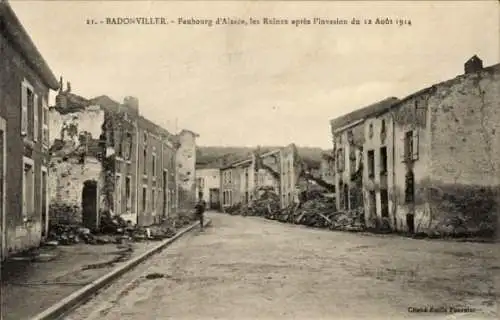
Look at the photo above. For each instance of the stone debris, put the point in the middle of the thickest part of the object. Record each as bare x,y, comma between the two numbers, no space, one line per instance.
318,212
115,230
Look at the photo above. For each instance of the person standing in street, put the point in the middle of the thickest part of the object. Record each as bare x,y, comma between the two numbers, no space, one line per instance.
200,210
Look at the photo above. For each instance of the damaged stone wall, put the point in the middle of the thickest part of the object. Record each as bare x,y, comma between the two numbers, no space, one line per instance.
379,133
411,119
185,170
74,159
464,169
348,151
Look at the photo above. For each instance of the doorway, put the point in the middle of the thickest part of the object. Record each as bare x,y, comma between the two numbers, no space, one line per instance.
90,205
44,202
3,163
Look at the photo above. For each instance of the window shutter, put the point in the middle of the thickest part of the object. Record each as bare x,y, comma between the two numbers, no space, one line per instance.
415,145
24,109
35,118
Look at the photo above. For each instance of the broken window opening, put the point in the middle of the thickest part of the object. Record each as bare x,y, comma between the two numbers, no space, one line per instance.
144,198
383,160
384,199
371,164
346,197
408,146
409,187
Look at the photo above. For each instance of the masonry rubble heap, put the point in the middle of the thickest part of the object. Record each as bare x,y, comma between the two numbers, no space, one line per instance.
114,229
319,212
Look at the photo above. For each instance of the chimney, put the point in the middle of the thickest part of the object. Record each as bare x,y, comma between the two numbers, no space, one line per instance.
472,65
132,103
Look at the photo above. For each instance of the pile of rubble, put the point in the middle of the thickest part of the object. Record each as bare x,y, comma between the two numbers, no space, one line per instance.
114,229
319,212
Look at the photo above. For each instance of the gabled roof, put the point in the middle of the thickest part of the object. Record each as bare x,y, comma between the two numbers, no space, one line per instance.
12,28
363,113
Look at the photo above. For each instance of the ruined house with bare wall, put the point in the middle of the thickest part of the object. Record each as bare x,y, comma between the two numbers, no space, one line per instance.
348,148
105,156
185,159
25,84
277,170
430,162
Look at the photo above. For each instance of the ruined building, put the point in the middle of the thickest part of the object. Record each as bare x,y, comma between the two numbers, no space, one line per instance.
105,156
279,169
25,84
429,162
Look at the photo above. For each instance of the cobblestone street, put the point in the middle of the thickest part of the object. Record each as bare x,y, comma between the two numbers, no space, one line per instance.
252,268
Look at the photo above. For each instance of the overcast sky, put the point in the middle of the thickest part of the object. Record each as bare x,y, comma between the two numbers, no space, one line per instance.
267,85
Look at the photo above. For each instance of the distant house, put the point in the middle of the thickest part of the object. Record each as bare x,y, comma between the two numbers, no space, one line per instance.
25,83
427,160
276,169
208,186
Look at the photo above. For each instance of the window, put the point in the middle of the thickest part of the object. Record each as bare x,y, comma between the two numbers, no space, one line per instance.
145,161
384,199
409,187
28,189
383,160
340,160
382,128
36,110
410,151
128,194
371,163
29,118
129,142
45,122
408,146
153,169
230,177
227,197
153,199
45,200
144,198
118,194
352,161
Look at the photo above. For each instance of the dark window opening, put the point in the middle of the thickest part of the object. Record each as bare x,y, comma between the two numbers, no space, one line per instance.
144,198
346,197
373,204
371,163
145,158
409,187
384,199
383,160
408,152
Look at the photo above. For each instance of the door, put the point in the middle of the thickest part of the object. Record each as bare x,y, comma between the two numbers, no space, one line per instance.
3,163
165,190
44,202
90,205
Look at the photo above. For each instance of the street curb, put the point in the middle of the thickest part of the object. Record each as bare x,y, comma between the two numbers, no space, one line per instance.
76,298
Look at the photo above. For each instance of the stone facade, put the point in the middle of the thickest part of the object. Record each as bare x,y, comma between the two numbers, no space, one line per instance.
24,137
430,161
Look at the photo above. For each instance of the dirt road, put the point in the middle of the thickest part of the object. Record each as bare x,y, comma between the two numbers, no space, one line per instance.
252,268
